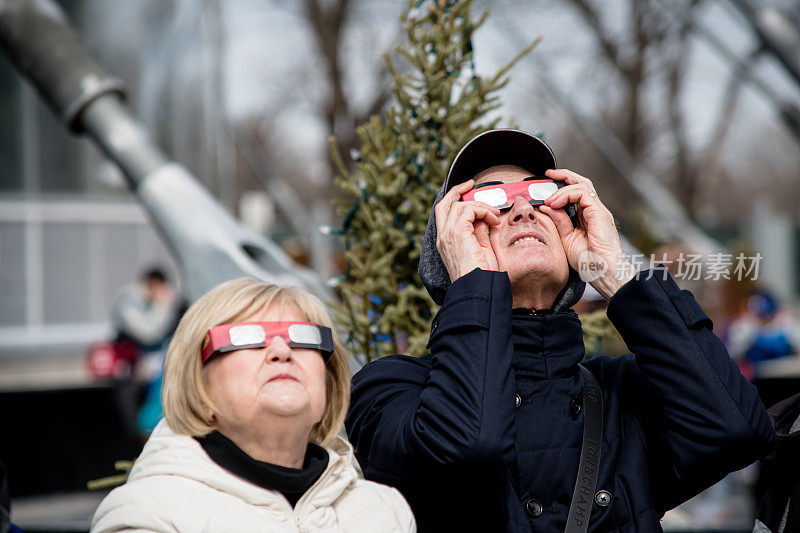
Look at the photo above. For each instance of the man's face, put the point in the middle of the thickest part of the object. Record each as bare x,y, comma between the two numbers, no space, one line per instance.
526,243
151,288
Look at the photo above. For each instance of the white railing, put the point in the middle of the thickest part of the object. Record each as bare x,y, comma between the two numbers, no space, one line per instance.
61,296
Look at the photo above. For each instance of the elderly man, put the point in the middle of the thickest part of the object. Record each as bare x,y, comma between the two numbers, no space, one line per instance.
499,428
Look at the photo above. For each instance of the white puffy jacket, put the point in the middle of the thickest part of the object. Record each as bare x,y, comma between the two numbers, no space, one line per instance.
176,487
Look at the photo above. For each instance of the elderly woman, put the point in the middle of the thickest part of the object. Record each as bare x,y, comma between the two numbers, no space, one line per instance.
256,387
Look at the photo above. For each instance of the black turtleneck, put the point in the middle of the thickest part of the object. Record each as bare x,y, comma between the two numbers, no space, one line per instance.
546,346
291,482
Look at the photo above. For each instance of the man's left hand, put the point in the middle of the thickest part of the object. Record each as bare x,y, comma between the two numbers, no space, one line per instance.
596,231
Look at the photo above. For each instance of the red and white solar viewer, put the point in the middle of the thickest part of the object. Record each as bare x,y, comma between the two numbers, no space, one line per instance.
245,335
501,195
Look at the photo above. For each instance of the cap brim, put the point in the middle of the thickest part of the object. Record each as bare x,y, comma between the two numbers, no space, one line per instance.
500,147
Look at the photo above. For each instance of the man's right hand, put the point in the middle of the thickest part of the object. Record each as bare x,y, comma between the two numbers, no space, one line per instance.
462,232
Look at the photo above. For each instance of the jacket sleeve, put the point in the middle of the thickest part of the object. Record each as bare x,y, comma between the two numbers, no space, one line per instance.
710,420
455,407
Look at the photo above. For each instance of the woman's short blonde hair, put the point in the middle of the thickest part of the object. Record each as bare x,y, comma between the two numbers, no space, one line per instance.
187,406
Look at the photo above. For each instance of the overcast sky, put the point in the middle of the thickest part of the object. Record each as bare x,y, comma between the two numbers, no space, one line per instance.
269,55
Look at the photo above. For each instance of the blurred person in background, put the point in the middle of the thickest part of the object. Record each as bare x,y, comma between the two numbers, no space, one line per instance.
256,386
499,428
764,332
144,315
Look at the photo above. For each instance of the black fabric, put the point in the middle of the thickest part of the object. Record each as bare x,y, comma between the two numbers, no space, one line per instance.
484,432
778,484
580,508
5,501
291,482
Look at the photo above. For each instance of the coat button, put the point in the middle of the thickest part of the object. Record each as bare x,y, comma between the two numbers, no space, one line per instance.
602,498
534,508
575,406
517,400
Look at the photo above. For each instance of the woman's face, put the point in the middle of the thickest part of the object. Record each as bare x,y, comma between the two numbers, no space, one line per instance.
256,385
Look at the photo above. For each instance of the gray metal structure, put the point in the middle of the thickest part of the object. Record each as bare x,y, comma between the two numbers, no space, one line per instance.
777,34
209,244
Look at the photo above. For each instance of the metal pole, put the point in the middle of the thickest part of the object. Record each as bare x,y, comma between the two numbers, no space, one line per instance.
123,139
38,40
209,244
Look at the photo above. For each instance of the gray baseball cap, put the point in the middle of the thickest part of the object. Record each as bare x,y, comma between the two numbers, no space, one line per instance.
500,147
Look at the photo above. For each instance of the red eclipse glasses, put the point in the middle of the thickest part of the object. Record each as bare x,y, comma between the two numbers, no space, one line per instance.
501,195
245,335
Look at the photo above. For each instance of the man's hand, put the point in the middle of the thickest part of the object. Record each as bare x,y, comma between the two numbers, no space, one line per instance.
596,232
462,232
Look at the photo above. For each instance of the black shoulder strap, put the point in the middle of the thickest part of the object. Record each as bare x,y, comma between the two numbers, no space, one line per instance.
589,466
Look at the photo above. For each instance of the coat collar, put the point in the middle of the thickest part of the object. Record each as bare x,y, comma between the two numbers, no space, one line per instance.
546,346
170,454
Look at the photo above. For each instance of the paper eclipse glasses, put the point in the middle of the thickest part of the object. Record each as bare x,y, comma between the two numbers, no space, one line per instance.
246,335
501,195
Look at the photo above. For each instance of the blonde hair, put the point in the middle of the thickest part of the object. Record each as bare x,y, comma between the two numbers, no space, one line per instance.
187,406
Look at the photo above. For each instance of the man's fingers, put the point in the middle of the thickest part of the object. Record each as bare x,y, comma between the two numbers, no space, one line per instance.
482,232
478,210
570,194
569,177
444,207
560,218
451,215
572,178
563,173
463,232
471,211
454,194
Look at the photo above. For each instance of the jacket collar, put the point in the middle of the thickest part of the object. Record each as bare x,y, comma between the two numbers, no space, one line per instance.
546,346
167,453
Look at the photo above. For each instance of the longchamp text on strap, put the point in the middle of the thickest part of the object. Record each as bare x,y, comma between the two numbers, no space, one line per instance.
589,465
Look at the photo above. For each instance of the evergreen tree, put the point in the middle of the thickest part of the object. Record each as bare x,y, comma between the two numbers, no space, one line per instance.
440,103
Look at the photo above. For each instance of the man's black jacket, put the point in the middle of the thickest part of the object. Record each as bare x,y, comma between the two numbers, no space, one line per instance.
484,433
778,484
